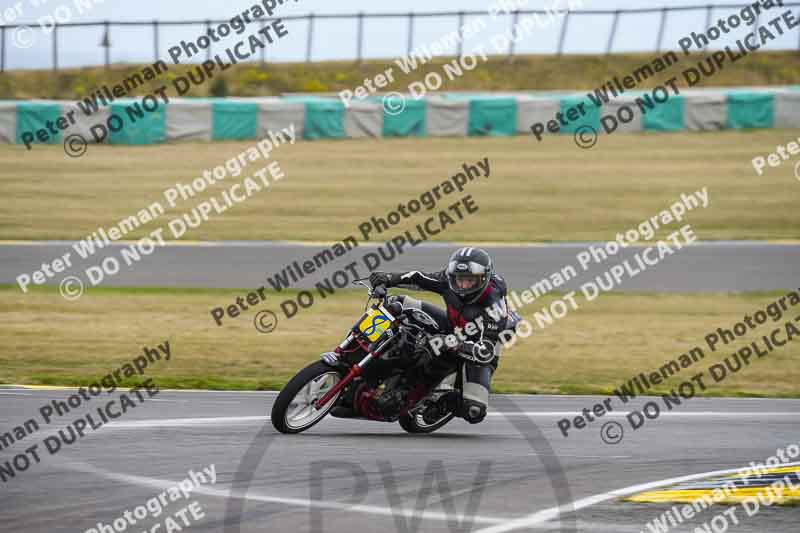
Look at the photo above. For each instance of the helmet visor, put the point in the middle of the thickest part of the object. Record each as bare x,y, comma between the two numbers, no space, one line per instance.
466,282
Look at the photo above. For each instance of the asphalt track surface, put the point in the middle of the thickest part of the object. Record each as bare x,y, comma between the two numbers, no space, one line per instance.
331,478
718,266
514,472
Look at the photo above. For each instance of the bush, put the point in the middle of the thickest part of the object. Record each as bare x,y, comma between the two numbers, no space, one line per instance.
218,88
314,86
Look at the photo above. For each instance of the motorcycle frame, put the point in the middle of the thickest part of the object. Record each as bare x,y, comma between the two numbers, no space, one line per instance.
373,352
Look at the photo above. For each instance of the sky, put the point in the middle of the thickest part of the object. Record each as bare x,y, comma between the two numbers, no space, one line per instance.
336,39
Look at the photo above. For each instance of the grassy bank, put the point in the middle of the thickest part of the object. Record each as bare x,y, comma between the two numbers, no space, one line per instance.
47,340
548,191
533,72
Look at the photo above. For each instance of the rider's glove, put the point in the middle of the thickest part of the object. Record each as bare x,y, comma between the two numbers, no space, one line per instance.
380,278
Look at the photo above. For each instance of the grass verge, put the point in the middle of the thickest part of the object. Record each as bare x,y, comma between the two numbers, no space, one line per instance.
537,191
47,340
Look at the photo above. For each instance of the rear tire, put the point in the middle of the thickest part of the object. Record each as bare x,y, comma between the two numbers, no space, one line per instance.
292,411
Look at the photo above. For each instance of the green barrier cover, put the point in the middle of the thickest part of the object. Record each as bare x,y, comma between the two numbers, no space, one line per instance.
591,117
750,110
411,122
32,116
324,120
492,116
665,116
325,117
233,121
141,124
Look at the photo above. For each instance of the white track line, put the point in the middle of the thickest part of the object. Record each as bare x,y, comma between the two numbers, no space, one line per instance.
626,413
553,513
535,454
189,422
177,422
14,387
162,484
500,525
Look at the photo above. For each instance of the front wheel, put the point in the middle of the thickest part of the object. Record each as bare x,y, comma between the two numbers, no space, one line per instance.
293,410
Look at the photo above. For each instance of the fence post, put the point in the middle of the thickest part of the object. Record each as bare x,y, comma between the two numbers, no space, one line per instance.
708,22
155,39
410,32
661,29
310,41
208,50
563,33
513,45
107,44
55,47
360,36
263,48
610,43
2,48
460,34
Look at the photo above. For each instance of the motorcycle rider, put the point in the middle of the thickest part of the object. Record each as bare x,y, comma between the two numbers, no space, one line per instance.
470,288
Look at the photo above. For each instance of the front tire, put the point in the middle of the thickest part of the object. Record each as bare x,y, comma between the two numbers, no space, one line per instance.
293,410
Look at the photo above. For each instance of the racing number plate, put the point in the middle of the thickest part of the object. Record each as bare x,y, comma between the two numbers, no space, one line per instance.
375,322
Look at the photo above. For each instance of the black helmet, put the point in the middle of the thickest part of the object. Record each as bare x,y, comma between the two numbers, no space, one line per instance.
469,271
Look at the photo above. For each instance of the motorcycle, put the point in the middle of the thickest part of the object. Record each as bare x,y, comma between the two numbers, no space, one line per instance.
383,357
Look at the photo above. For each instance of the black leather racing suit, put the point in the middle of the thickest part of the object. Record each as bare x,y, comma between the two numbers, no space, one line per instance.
488,311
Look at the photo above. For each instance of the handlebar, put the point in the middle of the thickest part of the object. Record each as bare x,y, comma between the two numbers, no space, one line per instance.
378,291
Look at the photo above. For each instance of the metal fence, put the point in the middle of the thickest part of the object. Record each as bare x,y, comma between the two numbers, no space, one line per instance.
458,18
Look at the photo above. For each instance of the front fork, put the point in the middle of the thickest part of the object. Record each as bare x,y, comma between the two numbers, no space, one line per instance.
373,351
354,372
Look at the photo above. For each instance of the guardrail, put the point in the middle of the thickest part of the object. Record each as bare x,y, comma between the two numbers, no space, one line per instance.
617,15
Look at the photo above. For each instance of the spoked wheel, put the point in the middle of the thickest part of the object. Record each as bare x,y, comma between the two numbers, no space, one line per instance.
293,410
414,423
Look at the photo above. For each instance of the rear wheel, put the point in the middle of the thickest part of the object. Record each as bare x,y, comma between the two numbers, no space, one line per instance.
293,410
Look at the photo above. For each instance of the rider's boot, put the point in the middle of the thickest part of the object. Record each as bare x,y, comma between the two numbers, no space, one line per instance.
447,402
